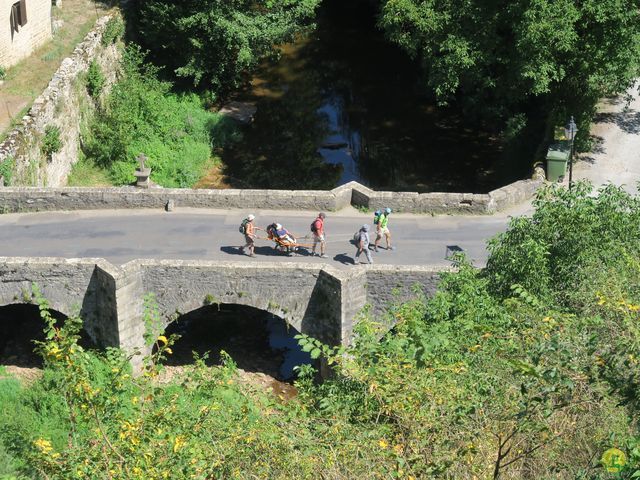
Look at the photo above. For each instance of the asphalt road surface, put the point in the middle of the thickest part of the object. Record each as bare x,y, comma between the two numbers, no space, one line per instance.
120,236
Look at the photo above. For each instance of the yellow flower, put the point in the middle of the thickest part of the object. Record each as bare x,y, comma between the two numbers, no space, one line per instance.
168,351
163,339
613,460
178,443
43,445
383,444
398,449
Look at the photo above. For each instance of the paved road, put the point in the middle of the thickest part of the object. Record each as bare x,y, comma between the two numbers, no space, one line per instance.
120,236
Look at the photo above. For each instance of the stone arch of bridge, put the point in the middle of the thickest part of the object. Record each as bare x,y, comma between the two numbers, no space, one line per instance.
289,312
23,296
20,326
257,340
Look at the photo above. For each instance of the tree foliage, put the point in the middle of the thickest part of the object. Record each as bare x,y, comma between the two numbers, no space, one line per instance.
573,244
499,55
215,42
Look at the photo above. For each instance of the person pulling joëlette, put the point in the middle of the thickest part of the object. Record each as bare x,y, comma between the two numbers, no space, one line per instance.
248,229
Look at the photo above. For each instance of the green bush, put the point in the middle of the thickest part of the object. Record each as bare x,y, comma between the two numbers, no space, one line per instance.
572,245
113,31
142,115
3,73
51,142
95,79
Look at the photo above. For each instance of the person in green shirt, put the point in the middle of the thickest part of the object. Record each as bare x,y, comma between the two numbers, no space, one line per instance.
382,228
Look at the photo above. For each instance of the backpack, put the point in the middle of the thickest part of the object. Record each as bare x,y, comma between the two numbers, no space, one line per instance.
243,226
376,217
314,228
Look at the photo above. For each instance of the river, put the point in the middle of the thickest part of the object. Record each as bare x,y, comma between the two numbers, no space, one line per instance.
342,104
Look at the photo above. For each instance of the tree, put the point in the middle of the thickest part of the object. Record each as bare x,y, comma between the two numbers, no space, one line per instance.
215,42
499,55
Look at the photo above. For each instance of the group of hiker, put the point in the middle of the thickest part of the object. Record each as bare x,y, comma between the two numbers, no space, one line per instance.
286,241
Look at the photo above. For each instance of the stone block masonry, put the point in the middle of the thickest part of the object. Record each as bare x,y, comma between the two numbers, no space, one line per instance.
60,105
317,300
29,199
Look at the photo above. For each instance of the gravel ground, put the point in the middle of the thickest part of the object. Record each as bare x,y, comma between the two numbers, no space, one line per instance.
616,154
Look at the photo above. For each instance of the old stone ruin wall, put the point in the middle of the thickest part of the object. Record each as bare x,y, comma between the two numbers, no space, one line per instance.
62,105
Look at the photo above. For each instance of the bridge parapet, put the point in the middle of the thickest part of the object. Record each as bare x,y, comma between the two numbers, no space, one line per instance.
36,199
318,300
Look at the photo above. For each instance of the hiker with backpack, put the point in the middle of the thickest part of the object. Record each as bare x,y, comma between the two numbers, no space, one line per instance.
382,228
248,229
361,239
317,229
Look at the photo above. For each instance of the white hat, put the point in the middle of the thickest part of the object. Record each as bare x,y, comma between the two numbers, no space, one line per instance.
278,226
251,217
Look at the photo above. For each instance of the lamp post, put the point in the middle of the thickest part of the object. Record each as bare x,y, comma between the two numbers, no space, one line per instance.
570,132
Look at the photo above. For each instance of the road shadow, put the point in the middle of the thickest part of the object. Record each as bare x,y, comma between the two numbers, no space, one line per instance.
271,252
344,259
232,250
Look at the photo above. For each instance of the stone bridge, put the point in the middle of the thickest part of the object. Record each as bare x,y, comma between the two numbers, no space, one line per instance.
317,300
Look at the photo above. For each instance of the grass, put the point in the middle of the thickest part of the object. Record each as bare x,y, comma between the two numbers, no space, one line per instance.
85,173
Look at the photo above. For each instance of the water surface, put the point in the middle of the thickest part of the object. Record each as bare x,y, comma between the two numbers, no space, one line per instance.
344,104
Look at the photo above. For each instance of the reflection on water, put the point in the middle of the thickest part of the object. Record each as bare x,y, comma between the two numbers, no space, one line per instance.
343,104
256,340
281,338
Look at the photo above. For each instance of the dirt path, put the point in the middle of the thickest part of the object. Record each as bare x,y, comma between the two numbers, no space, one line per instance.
28,79
616,155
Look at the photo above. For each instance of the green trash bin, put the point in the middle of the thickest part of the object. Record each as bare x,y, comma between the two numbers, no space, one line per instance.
557,158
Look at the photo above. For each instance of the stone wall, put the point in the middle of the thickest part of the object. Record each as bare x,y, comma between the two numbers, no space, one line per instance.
15,45
446,202
60,105
389,285
321,301
29,199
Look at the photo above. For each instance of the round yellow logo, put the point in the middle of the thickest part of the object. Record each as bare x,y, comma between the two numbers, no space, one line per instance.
613,460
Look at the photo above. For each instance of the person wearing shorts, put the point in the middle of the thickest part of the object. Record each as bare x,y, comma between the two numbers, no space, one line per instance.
383,229
317,228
